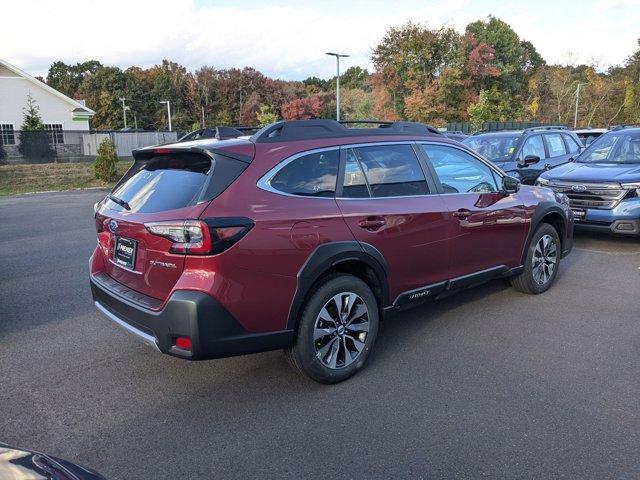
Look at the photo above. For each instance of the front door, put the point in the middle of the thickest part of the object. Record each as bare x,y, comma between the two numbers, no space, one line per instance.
387,202
533,145
486,227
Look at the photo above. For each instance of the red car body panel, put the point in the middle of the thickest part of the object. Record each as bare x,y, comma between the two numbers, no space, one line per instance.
413,237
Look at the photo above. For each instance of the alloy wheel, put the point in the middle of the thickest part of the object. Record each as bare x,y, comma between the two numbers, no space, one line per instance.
545,258
341,330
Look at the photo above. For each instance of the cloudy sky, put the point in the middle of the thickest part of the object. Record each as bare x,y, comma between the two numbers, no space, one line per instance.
288,38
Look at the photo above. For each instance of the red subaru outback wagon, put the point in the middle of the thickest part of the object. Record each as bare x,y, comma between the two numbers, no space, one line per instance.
304,235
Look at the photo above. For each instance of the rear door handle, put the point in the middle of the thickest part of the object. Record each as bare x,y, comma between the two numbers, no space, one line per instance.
547,166
372,224
462,213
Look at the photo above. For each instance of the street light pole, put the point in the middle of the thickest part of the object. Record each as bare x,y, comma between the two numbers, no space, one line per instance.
168,111
575,115
124,111
337,55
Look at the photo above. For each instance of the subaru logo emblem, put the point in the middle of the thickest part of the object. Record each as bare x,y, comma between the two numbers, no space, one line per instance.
579,188
113,225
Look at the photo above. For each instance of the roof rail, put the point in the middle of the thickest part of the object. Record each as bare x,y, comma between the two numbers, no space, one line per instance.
309,129
546,127
622,127
496,130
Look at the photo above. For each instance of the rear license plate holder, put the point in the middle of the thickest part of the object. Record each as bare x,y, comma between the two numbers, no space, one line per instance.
124,252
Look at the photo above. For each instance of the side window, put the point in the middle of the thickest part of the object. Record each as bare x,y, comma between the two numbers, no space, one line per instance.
312,175
390,171
354,184
555,144
533,146
572,146
460,172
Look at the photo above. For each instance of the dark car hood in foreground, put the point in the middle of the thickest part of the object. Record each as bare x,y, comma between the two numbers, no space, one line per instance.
18,464
595,172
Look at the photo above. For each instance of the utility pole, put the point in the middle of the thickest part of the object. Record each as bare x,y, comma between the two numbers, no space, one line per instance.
168,111
124,111
575,115
338,56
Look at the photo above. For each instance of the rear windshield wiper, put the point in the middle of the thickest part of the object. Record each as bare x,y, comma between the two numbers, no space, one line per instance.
119,201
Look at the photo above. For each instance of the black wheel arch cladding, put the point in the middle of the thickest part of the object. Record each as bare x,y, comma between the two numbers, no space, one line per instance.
542,211
328,256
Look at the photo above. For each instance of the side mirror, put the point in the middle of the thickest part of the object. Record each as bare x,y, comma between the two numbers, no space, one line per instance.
528,160
510,185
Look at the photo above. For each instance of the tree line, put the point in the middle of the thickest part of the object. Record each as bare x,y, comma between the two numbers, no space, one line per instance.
486,73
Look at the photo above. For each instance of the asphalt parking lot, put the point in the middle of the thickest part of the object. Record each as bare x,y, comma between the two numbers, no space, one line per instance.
489,383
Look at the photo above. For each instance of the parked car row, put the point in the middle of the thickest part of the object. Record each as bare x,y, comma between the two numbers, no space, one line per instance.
602,181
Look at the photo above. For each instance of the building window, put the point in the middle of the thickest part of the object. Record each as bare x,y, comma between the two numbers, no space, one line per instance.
7,135
57,136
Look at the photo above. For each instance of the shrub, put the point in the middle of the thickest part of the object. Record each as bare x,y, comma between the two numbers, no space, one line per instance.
3,155
35,142
35,146
104,167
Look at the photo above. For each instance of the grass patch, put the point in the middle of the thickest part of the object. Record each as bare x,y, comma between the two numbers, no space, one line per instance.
15,179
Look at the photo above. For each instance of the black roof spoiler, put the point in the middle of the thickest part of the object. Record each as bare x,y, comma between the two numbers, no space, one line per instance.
310,129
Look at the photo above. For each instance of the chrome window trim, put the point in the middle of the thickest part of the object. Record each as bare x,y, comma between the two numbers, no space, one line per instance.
264,183
388,198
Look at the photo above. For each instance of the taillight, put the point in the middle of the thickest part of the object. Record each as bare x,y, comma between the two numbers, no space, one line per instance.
188,236
198,237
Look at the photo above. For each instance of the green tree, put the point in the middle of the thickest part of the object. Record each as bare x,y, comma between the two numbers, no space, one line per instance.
31,119
632,88
68,78
492,106
355,77
515,59
102,91
105,166
3,154
317,84
35,142
266,115
356,104
410,57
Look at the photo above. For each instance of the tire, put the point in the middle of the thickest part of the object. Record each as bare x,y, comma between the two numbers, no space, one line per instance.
332,345
535,280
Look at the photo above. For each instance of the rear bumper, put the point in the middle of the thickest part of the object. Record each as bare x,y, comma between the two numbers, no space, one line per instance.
214,333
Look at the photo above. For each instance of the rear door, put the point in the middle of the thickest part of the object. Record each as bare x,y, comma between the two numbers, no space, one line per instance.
165,187
573,146
486,228
390,203
557,150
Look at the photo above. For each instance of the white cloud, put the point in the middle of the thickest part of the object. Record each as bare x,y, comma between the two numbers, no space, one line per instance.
289,40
